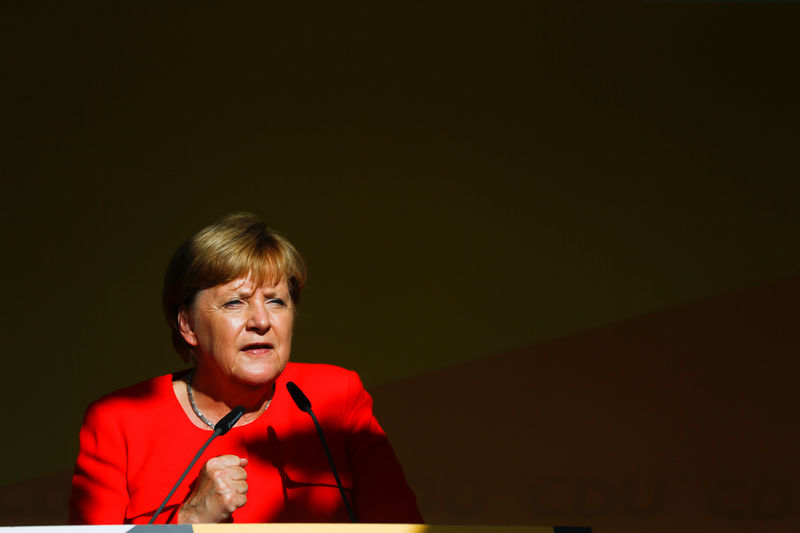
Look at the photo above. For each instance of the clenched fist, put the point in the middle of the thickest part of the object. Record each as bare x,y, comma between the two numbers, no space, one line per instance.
221,488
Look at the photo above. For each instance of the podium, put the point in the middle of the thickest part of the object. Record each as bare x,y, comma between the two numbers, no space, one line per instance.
295,528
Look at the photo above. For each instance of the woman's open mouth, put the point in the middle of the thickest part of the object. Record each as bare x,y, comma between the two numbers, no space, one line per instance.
257,348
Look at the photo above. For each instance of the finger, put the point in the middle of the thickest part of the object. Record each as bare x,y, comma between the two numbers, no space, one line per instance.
232,501
241,500
223,461
229,460
237,473
237,500
243,461
239,486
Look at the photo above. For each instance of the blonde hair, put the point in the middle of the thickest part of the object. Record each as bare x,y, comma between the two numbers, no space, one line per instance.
235,246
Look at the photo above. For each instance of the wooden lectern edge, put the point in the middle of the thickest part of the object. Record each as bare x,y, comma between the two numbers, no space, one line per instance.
286,528
367,528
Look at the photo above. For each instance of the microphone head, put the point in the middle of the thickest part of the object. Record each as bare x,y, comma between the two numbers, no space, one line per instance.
299,398
229,420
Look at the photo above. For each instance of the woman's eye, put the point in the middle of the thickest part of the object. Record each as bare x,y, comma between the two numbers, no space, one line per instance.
232,303
276,301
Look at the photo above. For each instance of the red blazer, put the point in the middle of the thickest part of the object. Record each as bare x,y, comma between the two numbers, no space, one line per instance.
136,442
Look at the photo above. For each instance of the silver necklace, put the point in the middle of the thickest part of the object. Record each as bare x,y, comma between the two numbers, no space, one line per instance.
197,411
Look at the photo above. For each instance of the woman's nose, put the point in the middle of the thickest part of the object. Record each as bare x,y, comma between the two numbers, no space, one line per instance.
259,317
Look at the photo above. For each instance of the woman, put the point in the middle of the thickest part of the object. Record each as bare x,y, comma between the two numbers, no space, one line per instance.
230,294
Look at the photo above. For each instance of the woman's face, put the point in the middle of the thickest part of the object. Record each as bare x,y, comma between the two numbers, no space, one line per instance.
240,331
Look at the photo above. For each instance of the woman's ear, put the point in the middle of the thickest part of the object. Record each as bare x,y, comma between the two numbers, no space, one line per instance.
185,326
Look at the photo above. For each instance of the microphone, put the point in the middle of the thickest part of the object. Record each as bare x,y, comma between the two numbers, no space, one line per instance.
302,401
304,404
220,428
228,421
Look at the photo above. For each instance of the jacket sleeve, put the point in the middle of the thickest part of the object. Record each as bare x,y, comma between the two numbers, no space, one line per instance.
381,493
99,488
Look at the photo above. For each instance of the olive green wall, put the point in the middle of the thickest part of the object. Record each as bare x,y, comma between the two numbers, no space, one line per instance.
464,178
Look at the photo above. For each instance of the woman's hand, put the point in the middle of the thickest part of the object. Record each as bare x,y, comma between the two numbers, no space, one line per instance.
221,488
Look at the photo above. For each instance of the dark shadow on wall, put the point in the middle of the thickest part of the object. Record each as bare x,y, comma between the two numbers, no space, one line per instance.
39,501
683,420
